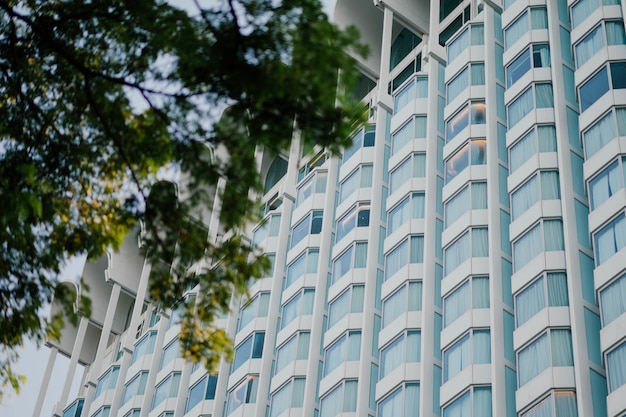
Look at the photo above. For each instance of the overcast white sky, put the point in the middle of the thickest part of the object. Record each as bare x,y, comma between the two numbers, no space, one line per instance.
33,361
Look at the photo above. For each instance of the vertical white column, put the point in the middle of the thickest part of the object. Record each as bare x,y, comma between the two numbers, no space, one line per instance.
45,382
102,345
78,344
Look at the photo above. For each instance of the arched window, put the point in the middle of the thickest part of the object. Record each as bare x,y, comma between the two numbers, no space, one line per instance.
277,170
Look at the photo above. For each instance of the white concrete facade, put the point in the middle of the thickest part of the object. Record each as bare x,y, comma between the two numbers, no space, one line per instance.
464,258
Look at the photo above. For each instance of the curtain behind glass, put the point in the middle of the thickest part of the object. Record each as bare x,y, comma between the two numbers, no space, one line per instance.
400,175
524,197
332,404
557,289
458,84
482,402
553,233
459,408
417,250
479,195
478,74
392,405
457,253
456,303
419,165
397,216
366,176
422,87
478,35
303,345
543,409
457,206
396,259
550,189
394,306
605,185
527,247
615,367
539,18
583,9
529,302
297,398
456,358
545,97
480,292
620,114
532,360
402,136
354,346
565,402
516,30
357,299
415,296
523,150
520,107
615,33
561,347
589,46
547,138
599,135
457,46
411,401
482,346
418,201
480,242
613,300
391,357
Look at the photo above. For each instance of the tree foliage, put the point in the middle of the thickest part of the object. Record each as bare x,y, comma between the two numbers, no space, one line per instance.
98,95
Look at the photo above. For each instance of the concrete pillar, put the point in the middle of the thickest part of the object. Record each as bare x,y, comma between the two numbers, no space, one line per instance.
78,344
46,381
102,345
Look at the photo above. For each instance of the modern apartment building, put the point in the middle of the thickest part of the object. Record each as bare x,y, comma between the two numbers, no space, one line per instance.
464,258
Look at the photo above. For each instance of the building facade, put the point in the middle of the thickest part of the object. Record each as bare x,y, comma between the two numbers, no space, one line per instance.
465,257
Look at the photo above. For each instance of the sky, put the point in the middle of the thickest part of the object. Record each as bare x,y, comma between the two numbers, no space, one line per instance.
33,360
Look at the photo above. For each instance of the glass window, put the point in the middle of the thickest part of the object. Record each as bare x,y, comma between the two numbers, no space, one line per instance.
542,186
202,390
407,298
411,207
405,348
362,139
252,347
360,178
342,399
102,412
136,386
522,64
304,264
144,347
464,247
473,113
257,307
472,293
546,236
616,367
166,389
558,404
353,257
296,348
414,128
458,45
613,300
524,104
411,250
593,89
404,401
604,130
314,185
516,30
476,402
290,395
540,138
347,348
472,153
357,216
610,239
416,88
350,301
606,183
583,9
244,393
473,348
311,224
299,305
107,381
553,348
547,290
412,167
471,197
171,352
